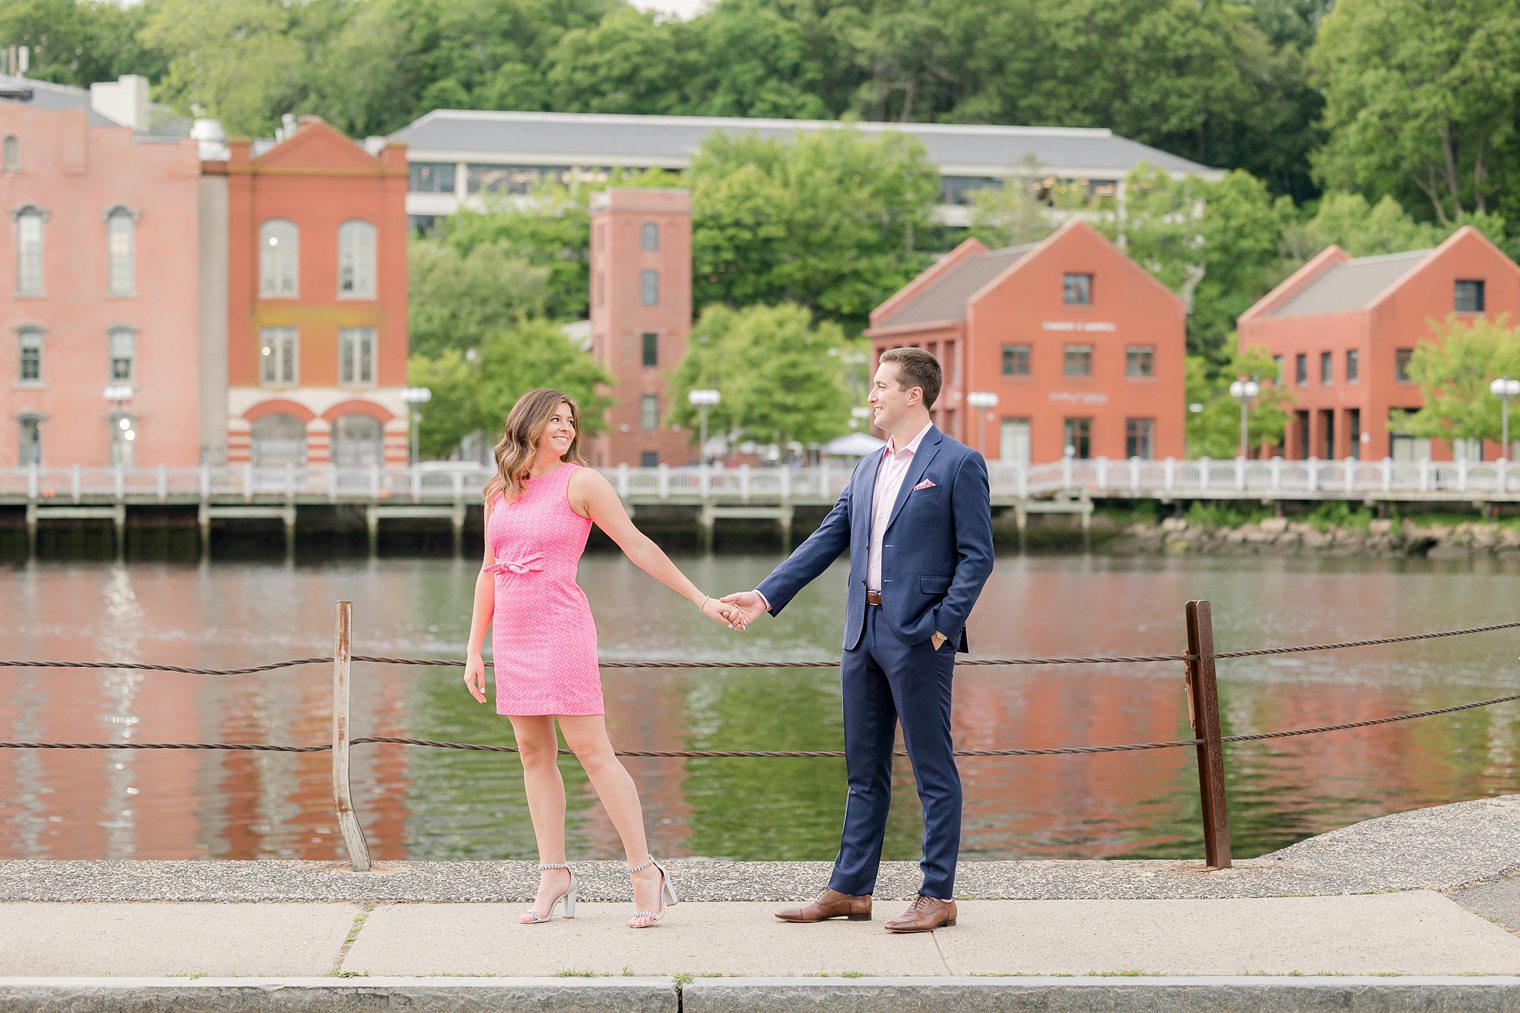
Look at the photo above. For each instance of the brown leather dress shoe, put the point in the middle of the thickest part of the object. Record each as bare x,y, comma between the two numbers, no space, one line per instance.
925,914
830,904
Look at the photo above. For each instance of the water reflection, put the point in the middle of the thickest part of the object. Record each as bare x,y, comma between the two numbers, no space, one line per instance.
433,804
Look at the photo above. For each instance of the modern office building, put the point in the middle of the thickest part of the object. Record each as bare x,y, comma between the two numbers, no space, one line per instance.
463,157
1342,330
1061,347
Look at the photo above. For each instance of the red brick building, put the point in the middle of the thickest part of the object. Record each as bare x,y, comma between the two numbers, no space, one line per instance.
1082,347
1342,330
640,317
315,296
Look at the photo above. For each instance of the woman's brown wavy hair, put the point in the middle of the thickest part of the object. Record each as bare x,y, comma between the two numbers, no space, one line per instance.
518,445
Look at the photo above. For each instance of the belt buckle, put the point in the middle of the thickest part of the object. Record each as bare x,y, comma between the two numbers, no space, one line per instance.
873,597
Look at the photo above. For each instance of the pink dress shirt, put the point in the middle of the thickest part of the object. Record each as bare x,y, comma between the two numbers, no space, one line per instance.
894,468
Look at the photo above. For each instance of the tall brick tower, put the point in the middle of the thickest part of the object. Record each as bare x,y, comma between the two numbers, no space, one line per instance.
640,317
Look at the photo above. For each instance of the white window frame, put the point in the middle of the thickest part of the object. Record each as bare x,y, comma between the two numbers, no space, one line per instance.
279,259
22,443
357,248
649,412
30,263
10,154
649,236
29,339
279,356
356,357
121,251
117,340
649,287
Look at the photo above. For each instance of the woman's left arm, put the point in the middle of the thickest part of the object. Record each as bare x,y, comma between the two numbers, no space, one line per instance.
591,495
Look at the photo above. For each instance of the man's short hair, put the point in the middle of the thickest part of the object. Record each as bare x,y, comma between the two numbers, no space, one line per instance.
917,368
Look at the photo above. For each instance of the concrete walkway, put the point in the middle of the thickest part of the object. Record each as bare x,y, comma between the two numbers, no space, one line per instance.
1418,910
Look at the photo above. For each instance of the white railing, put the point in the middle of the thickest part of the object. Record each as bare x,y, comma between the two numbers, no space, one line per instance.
450,482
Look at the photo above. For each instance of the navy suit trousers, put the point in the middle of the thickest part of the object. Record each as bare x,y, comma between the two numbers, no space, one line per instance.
886,681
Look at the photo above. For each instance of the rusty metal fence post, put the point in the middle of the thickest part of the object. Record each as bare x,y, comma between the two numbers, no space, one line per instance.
343,803
1203,715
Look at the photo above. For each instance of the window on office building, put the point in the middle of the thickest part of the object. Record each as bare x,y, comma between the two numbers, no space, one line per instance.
1076,435
123,345
1078,360
278,347
279,258
356,260
1140,361
649,236
649,287
31,355
1326,370
651,349
356,356
431,177
1139,438
1301,369
29,251
649,411
1076,289
1401,357
1353,365
1015,360
1467,295
121,251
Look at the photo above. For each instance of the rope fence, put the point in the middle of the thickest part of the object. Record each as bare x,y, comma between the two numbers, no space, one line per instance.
1203,713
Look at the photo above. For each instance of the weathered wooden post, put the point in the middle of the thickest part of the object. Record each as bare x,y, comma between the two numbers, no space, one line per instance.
1203,715
343,803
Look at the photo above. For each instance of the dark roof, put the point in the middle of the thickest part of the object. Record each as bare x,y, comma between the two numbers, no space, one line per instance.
163,123
946,298
1349,285
670,141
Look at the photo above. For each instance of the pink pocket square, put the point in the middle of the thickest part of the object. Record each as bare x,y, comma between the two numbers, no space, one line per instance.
925,484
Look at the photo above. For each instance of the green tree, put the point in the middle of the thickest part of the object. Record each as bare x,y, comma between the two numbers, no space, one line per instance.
1011,214
79,42
782,376
754,60
1422,102
455,299
828,220
628,62
1214,431
1454,371
475,396
1363,230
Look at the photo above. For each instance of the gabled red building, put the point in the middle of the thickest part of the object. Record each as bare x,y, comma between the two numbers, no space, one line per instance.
1083,349
1343,328
315,297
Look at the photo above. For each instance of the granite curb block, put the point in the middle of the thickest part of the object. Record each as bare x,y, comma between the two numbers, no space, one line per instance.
338,995
1113,995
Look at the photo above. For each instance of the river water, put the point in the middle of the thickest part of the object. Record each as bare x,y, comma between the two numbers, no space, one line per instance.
423,803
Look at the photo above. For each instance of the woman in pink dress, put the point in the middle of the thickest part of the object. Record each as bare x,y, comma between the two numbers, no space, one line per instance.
539,509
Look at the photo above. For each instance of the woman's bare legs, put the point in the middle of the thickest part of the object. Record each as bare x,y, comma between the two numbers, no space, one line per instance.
545,789
587,736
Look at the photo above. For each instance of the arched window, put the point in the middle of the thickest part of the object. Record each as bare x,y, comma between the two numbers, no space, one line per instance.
123,346
31,440
121,247
279,439
29,221
279,258
123,439
649,236
10,154
30,341
356,260
358,442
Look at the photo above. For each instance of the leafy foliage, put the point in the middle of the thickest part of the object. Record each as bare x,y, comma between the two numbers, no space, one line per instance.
1454,372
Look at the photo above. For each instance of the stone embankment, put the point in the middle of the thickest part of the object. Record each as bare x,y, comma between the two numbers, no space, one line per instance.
1284,536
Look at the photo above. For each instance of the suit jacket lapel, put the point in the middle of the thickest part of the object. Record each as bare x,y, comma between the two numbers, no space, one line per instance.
926,451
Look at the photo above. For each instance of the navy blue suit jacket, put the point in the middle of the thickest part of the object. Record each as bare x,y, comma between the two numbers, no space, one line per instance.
936,553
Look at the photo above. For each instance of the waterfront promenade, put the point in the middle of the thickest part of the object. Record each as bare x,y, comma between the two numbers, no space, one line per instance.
1419,910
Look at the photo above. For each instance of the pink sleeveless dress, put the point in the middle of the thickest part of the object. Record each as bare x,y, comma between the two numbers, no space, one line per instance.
543,640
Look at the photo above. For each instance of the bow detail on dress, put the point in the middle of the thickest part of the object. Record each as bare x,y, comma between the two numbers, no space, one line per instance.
528,564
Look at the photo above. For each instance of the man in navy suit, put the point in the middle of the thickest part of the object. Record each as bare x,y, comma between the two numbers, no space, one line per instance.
917,521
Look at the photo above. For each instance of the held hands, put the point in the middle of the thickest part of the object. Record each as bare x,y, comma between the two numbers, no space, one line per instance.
475,677
747,606
719,613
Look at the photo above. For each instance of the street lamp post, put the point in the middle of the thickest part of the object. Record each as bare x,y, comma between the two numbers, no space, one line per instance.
980,400
414,397
118,394
1244,391
702,399
1505,389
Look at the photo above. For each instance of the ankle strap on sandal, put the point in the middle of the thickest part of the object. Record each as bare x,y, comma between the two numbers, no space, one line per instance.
642,865
557,865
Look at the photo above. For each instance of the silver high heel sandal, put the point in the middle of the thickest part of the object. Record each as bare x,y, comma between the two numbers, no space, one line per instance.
667,893
532,917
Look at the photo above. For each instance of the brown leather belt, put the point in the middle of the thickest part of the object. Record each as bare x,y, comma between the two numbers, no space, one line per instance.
873,597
